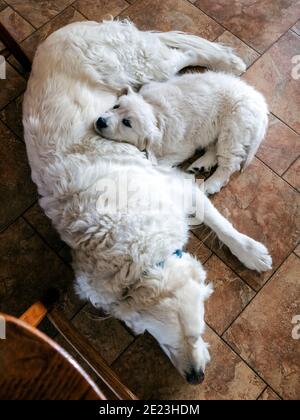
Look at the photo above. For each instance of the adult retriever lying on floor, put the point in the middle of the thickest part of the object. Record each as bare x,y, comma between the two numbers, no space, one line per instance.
127,254
172,120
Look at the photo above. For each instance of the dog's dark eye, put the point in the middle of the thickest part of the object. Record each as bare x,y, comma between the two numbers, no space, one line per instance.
116,107
127,123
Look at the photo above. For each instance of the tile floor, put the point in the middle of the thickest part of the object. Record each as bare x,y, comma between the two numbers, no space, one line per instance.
249,317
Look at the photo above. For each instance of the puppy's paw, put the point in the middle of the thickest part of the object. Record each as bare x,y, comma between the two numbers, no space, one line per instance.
232,64
212,186
254,255
204,164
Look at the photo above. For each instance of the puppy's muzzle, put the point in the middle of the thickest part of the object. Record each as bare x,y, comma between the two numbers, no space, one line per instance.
195,377
101,123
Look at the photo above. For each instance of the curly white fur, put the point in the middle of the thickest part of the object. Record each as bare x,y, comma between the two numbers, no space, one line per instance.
75,75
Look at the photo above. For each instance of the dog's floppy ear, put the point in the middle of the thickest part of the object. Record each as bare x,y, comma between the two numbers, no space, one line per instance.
127,90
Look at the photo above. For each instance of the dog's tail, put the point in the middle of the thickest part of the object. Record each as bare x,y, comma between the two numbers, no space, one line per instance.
213,55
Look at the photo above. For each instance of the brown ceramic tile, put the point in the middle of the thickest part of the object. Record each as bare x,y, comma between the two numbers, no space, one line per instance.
17,66
39,12
70,15
40,222
296,28
230,296
297,251
262,335
148,372
263,206
280,148
242,49
198,249
108,336
12,116
100,9
17,192
293,175
2,5
170,15
273,74
11,87
66,255
258,23
15,24
2,47
269,395
28,269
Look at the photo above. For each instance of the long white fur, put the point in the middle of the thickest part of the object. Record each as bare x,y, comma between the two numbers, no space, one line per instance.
116,253
213,111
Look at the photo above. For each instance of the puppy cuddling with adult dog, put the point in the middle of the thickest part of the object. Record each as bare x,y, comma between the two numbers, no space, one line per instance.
171,120
128,260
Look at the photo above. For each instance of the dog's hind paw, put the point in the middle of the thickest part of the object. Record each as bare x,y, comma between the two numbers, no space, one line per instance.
254,255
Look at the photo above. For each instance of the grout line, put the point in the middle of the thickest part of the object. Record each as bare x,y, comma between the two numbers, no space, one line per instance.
285,123
24,18
9,224
258,292
244,360
275,173
262,393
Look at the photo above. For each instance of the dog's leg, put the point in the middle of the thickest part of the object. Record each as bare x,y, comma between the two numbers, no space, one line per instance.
209,54
205,162
251,253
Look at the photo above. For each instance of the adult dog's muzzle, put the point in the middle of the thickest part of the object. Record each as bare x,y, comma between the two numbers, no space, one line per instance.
195,377
101,123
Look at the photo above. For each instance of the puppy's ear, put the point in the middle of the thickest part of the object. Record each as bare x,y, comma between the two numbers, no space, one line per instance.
127,90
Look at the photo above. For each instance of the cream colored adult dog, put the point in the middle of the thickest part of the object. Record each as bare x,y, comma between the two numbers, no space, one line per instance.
171,120
128,257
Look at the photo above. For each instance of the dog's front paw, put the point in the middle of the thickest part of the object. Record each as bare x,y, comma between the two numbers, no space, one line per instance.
254,255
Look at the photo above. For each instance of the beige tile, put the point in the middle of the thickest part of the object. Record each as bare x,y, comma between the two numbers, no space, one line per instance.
264,207
263,334
17,192
280,148
15,24
258,23
38,12
241,49
150,374
293,175
276,75
170,15
230,296
100,9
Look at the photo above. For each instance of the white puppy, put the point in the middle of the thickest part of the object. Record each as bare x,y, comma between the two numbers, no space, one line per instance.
171,120
127,257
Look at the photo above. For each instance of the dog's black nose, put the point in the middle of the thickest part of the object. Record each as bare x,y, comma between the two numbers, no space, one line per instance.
195,377
101,123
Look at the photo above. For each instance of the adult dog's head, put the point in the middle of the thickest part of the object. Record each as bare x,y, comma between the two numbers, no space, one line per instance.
131,120
168,302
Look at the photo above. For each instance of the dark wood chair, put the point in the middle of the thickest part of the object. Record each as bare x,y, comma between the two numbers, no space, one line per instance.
14,48
34,367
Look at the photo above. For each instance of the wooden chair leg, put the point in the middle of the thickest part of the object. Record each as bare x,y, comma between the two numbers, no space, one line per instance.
90,355
14,48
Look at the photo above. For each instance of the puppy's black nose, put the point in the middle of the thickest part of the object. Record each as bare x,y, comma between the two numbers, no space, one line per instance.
101,123
195,377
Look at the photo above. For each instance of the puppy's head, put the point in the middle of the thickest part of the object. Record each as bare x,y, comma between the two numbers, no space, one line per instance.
168,302
131,120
